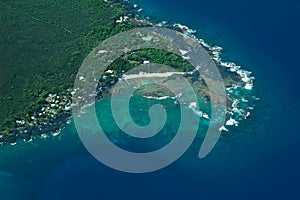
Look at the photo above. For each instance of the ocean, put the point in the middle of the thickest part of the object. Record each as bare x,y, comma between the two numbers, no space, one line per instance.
262,36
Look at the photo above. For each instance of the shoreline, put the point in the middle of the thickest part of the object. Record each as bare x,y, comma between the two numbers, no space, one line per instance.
59,118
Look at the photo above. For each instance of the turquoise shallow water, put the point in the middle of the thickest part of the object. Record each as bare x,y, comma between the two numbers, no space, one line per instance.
60,166
244,166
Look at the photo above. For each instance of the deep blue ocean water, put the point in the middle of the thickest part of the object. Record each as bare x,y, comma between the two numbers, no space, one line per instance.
261,36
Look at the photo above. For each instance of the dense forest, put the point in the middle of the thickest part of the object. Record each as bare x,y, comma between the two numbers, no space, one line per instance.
43,43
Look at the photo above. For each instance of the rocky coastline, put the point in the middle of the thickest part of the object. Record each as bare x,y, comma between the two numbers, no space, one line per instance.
55,111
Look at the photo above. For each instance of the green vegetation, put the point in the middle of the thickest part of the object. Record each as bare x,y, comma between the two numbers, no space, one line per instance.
42,45
135,59
162,57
